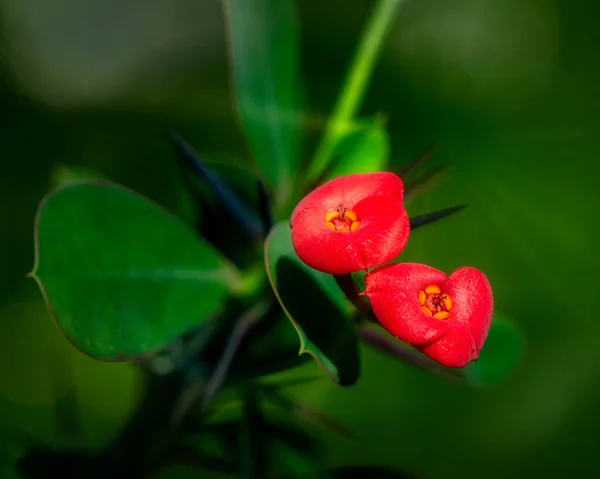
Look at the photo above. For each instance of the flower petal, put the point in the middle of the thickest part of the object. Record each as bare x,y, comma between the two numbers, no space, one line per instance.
473,302
456,349
384,229
394,294
349,190
383,233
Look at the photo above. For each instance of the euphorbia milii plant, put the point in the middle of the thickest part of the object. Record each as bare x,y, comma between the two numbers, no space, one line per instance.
351,223
445,317
358,222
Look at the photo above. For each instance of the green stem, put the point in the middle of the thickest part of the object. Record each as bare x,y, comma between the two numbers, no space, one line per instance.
353,91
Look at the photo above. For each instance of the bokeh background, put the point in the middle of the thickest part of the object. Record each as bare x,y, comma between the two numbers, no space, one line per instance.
508,89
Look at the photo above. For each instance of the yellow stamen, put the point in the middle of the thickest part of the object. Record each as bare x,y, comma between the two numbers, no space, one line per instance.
447,300
435,303
342,220
330,215
350,215
433,289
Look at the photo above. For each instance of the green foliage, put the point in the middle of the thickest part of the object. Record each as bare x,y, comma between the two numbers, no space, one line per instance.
121,275
124,278
353,90
332,341
264,42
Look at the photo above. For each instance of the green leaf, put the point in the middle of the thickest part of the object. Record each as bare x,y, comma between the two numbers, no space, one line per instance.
279,244
264,42
363,150
315,306
501,353
120,275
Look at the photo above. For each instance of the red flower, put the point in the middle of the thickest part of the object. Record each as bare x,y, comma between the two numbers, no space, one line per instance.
351,223
445,317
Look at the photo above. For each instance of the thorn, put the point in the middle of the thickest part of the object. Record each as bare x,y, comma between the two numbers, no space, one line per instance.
429,218
244,216
413,187
417,161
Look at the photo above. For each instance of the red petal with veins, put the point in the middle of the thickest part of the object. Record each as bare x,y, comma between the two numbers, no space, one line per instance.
376,198
394,294
383,234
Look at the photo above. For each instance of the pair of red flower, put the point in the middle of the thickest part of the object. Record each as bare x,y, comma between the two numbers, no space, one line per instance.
357,222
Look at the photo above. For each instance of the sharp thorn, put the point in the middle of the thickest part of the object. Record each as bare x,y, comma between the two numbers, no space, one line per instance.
417,161
429,218
244,216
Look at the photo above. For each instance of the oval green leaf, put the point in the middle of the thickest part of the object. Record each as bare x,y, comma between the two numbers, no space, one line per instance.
500,355
264,43
316,307
120,275
363,150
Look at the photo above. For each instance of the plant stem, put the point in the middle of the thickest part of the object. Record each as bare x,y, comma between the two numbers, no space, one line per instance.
400,350
360,301
354,88
244,324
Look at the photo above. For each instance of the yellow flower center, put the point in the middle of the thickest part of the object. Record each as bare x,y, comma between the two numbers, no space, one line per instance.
342,220
435,303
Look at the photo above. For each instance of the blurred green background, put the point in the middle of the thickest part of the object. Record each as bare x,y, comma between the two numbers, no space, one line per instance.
506,88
